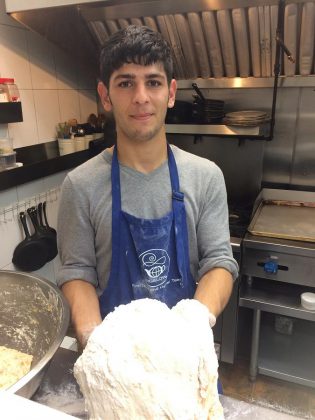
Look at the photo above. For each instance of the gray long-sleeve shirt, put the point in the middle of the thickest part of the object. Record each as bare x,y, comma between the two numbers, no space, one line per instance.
84,220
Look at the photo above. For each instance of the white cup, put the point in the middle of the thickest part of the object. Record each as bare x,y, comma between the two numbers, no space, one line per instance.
88,138
98,135
66,146
79,143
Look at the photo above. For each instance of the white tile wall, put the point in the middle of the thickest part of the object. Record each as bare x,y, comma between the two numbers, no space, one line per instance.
47,113
54,86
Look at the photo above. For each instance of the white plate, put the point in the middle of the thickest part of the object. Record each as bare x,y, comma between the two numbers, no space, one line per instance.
246,114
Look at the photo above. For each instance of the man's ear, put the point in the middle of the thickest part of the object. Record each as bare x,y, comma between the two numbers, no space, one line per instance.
172,93
104,95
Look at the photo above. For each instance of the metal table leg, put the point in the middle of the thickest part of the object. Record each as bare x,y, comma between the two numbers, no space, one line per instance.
253,367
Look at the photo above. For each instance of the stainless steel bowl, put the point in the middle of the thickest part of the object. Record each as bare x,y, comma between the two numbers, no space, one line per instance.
34,317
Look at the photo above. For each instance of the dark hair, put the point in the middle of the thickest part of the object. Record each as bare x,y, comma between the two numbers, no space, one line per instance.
138,45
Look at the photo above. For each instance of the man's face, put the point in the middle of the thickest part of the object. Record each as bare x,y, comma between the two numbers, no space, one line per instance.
139,96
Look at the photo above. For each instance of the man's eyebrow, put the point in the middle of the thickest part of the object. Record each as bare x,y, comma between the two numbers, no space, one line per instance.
133,76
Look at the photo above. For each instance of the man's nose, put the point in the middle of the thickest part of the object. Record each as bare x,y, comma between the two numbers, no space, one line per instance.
140,94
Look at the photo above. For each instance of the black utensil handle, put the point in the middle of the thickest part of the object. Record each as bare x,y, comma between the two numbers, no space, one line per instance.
40,213
24,224
32,212
45,214
200,94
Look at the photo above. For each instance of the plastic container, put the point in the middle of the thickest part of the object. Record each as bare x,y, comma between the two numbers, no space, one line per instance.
4,97
6,146
66,146
7,160
12,91
79,143
308,301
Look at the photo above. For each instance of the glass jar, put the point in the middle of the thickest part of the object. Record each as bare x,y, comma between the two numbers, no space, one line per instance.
11,89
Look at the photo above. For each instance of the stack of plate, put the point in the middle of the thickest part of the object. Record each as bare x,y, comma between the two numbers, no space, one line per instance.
246,118
208,111
213,110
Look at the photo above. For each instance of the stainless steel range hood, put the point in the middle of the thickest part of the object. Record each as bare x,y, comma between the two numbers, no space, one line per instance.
218,39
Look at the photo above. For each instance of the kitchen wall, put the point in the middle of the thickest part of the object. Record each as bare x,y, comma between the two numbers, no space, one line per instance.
53,88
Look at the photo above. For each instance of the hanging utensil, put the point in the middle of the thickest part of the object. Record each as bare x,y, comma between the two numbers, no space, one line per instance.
30,254
198,91
49,240
53,231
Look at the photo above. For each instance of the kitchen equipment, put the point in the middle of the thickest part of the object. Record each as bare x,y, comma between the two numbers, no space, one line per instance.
284,219
30,254
51,229
276,271
206,111
34,318
180,113
198,91
246,118
48,237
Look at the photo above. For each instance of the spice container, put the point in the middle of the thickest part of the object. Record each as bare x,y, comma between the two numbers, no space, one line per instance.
4,94
6,146
10,89
7,160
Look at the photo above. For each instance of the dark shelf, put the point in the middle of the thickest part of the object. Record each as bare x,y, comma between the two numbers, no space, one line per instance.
10,112
42,160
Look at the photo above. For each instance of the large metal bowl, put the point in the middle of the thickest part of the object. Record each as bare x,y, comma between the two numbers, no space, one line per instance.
34,317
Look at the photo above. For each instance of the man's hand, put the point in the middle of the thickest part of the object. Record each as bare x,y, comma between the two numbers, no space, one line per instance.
84,306
214,290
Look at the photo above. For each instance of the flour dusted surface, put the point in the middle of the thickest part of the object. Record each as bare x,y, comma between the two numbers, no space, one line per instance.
146,361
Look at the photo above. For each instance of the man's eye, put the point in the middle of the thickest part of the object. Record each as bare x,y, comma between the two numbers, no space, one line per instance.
125,84
154,83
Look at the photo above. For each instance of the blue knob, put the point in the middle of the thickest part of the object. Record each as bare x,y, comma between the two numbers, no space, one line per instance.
271,267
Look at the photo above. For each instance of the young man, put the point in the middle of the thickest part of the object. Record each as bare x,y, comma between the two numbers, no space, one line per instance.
142,219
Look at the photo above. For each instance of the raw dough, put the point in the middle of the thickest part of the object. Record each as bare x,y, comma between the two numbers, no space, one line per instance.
13,366
146,361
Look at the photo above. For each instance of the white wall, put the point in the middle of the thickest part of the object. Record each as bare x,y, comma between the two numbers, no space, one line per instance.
53,88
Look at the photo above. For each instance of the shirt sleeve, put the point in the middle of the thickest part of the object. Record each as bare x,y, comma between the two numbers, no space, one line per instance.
213,233
75,236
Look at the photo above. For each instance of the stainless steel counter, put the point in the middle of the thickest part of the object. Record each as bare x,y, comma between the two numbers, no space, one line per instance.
59,390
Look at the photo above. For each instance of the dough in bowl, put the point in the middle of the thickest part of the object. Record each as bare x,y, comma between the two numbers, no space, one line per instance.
13,366
146,361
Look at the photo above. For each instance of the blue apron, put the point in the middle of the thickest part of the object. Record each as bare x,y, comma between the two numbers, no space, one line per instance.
150,257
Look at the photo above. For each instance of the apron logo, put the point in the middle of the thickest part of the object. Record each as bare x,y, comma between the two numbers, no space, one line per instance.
155,263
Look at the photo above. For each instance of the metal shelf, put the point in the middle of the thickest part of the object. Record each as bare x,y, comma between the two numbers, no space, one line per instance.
282,299
288,357
216,130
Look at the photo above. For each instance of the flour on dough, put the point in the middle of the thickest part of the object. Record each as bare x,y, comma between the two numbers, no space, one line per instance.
146,361
13,366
